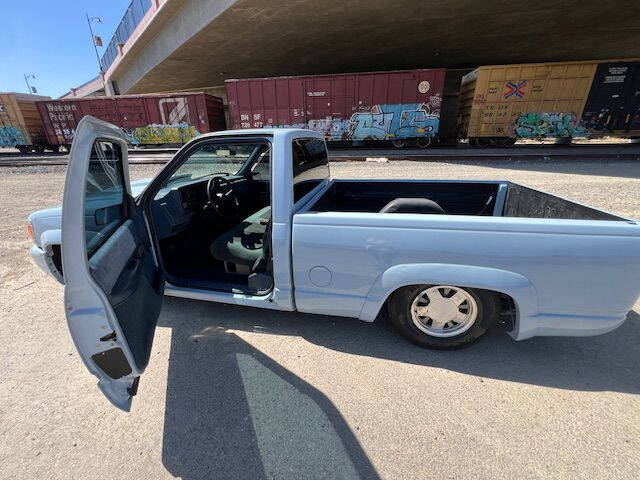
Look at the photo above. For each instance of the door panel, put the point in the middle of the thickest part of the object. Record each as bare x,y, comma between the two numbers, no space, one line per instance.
113,288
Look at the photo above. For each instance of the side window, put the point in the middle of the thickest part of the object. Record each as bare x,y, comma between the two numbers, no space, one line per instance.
310,165
104,194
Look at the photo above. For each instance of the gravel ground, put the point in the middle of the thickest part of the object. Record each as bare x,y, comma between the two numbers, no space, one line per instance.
234,392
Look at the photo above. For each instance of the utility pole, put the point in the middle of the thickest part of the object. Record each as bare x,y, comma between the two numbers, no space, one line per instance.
93,37
26,79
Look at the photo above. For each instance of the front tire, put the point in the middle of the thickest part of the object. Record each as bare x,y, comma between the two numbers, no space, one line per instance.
442,317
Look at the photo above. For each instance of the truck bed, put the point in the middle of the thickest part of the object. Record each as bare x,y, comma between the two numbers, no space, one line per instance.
569,269
478,198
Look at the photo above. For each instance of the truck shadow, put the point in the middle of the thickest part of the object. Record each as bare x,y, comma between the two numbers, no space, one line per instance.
232,412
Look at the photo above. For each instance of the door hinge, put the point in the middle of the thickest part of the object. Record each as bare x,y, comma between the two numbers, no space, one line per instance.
111,337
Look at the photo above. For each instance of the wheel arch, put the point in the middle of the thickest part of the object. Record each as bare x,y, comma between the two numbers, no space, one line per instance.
516,286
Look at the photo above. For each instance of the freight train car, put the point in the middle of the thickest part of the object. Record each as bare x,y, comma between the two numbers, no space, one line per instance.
499,104
613,104
155,119
401,106
503,103
20,124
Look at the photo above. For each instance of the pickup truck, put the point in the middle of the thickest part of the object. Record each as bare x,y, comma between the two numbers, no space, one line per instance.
252,217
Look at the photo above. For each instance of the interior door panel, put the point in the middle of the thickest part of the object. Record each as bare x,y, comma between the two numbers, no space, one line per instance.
131,281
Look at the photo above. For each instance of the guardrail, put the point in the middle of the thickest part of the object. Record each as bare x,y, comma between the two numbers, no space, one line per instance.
132,17
88,82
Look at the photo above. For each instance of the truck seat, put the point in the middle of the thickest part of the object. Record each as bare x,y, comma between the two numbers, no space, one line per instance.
242,245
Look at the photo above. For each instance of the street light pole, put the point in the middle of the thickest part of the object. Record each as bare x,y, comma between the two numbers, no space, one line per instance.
26,79
93,38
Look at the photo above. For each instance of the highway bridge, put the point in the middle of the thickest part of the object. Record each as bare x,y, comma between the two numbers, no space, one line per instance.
176,45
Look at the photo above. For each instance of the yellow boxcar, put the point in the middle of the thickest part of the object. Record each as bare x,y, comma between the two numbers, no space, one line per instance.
499,104
20,123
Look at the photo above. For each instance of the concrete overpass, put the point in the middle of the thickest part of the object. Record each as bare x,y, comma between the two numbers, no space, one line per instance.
197,44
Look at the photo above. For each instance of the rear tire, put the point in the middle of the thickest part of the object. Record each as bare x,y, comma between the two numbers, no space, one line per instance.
23,149
55,148
452,324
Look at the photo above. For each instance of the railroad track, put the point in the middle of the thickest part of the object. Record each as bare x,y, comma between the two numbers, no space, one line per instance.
519,152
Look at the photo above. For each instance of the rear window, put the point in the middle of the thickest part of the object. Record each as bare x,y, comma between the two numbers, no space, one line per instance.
310,165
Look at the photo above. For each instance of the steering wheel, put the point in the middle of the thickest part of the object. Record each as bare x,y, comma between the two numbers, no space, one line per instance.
222,197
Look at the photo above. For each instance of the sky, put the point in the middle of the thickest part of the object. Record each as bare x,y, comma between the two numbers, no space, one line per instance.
50,39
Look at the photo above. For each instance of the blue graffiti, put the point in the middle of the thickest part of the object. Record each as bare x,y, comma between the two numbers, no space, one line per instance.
11,136
543,124
394,121
380,122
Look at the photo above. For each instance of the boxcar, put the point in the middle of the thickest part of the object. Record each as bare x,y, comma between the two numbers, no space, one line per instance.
400,106
154,119
499,104
20,124
503,103
613,104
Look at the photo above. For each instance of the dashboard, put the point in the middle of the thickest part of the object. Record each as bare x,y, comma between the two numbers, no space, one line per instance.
193,196
174,206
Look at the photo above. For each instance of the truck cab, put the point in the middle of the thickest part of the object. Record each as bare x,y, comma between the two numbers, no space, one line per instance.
202,228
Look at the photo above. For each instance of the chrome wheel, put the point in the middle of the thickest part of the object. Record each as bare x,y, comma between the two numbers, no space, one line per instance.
444,311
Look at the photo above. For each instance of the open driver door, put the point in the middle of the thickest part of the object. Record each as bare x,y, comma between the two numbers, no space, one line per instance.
113,286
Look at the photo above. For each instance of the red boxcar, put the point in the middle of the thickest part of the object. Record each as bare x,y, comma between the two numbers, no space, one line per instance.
147,119
399,106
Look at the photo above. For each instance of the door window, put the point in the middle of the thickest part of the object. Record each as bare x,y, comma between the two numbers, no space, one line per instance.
104,194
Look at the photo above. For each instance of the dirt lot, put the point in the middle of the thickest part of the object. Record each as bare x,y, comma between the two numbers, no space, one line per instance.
235,392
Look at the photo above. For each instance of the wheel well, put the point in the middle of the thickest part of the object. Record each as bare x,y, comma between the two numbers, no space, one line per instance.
505,305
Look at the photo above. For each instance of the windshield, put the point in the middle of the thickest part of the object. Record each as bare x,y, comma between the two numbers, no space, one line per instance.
218,158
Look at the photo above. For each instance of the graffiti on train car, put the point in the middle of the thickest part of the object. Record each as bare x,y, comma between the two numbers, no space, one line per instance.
542,124
331,128
600,120
399,120
379,122
11,136
609,119
159,133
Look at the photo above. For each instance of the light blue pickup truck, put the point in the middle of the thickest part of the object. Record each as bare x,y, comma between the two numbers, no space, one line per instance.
253,218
